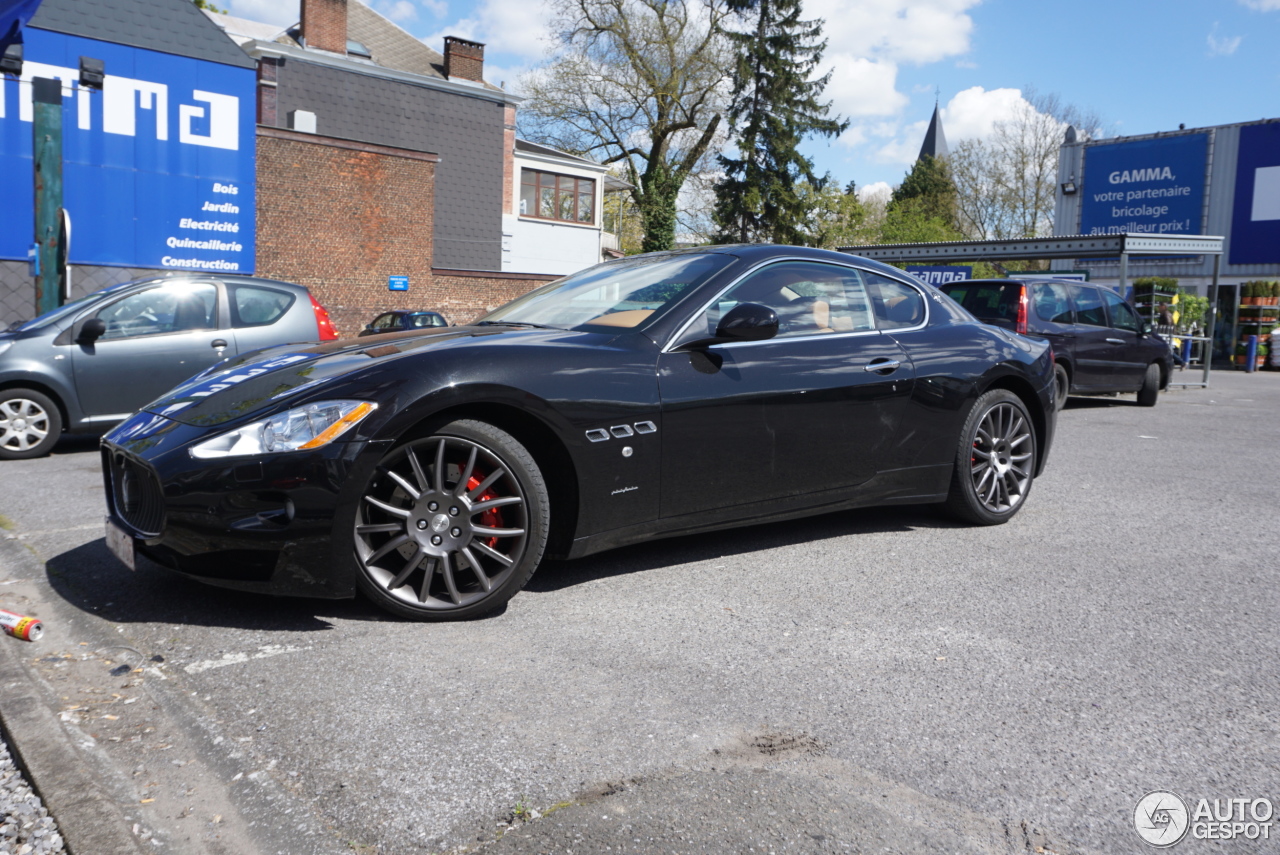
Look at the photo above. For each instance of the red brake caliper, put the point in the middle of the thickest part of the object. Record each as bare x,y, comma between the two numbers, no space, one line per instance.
491,518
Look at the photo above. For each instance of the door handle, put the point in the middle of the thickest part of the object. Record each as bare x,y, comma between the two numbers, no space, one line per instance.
218,343
1115,341
882,365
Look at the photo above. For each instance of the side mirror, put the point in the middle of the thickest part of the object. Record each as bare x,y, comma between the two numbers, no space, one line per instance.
1147,329
92,330
748,322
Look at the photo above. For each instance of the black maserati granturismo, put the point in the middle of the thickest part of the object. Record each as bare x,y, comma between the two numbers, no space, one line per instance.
651,396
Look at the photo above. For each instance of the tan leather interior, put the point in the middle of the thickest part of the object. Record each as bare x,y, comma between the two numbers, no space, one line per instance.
629,318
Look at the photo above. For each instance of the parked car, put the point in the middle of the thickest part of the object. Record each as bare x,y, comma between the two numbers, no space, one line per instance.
1100,343
651,396
403,320
90,364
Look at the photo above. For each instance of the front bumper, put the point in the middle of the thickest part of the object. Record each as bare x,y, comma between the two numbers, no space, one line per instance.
269,524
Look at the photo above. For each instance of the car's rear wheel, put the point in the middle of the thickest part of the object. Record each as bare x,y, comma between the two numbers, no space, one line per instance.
1150,390
453,525
30,424
995,460
1062,382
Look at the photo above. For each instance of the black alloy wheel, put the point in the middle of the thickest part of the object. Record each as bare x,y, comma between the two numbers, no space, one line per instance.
453,525
1062,386
995,460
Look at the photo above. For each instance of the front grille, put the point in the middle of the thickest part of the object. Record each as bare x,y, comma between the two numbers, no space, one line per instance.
135,493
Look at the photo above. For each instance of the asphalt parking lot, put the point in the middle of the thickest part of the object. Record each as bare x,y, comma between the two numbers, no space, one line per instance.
879,680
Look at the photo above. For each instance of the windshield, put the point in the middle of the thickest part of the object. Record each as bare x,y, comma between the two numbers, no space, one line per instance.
73,307
618,294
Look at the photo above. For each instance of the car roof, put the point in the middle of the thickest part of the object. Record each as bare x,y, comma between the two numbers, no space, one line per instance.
763,251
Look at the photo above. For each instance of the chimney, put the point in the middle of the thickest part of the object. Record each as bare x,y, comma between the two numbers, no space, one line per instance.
324,25
463,59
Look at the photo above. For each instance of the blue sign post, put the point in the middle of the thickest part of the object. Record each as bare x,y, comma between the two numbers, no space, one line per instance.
158,165
397,283
1255,215
1153,186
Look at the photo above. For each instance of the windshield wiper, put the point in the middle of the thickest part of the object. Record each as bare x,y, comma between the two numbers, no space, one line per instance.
514,324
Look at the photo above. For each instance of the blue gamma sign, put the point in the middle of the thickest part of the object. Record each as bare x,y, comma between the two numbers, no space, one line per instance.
397,283
158,164
940,275
1151,186
1255,218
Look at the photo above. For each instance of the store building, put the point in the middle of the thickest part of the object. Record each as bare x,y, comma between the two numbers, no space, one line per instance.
1222,180
337,153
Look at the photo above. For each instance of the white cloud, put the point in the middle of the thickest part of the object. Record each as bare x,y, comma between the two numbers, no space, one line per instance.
905,146
863,87
516,27
914,31
398,11
281,12
1222,45
879,192
1262,5
973,112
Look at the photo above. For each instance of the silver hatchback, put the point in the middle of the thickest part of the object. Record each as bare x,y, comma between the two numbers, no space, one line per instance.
89,364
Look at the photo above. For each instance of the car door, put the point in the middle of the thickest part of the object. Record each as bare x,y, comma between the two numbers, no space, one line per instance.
1129,367
796,415
155,338
1097,346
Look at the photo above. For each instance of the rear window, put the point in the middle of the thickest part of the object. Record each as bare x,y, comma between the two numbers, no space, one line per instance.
987,301
252,306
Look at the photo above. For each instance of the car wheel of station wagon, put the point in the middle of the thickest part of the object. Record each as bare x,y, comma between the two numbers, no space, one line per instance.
995,460
1150,387
1063,381
30,424
453,525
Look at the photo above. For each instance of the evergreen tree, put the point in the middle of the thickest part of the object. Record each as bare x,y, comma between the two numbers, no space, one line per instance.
928,191
775,106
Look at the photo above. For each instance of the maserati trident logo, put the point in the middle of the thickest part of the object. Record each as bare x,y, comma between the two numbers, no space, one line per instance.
1161,819
439,523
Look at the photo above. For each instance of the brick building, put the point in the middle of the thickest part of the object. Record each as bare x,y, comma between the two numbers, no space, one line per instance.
371,155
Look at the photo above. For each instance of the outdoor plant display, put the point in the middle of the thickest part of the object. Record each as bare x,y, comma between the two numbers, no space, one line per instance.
1151,293
1191,310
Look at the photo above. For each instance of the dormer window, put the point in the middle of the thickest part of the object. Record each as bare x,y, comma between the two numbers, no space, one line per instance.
354,48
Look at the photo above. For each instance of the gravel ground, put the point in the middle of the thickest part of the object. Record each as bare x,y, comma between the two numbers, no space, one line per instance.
25,826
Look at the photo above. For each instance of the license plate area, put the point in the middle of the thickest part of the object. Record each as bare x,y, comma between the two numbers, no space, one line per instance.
120,542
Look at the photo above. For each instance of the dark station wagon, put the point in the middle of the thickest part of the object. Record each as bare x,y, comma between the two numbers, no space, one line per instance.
1100,343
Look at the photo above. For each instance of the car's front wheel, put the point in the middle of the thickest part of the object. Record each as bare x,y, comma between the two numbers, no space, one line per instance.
453,525
995,460
30,424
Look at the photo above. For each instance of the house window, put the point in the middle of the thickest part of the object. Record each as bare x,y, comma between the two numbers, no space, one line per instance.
557,197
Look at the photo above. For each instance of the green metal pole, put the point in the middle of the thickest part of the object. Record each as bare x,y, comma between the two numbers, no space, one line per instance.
47,150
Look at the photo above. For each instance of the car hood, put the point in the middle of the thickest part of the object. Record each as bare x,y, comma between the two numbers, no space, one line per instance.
259,379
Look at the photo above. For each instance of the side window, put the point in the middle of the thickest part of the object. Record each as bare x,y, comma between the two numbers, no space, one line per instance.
383,322
1089,309
809,297
1052,303
896,305
169,308
252,306
1123,317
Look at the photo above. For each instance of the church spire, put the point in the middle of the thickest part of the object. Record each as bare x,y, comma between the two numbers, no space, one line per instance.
935,141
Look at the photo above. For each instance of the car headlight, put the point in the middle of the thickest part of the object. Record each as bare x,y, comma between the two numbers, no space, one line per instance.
299,429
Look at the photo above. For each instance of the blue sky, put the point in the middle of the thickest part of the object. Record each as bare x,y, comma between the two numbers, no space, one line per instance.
1143,65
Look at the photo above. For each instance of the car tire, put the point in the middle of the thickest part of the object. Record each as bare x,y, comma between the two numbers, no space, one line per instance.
453,525
1150,390
1062,383
30,424
995,460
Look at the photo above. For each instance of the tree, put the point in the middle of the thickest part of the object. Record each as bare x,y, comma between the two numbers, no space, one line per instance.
835,217
636,82
775,106
928,191
205,4
1007,184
